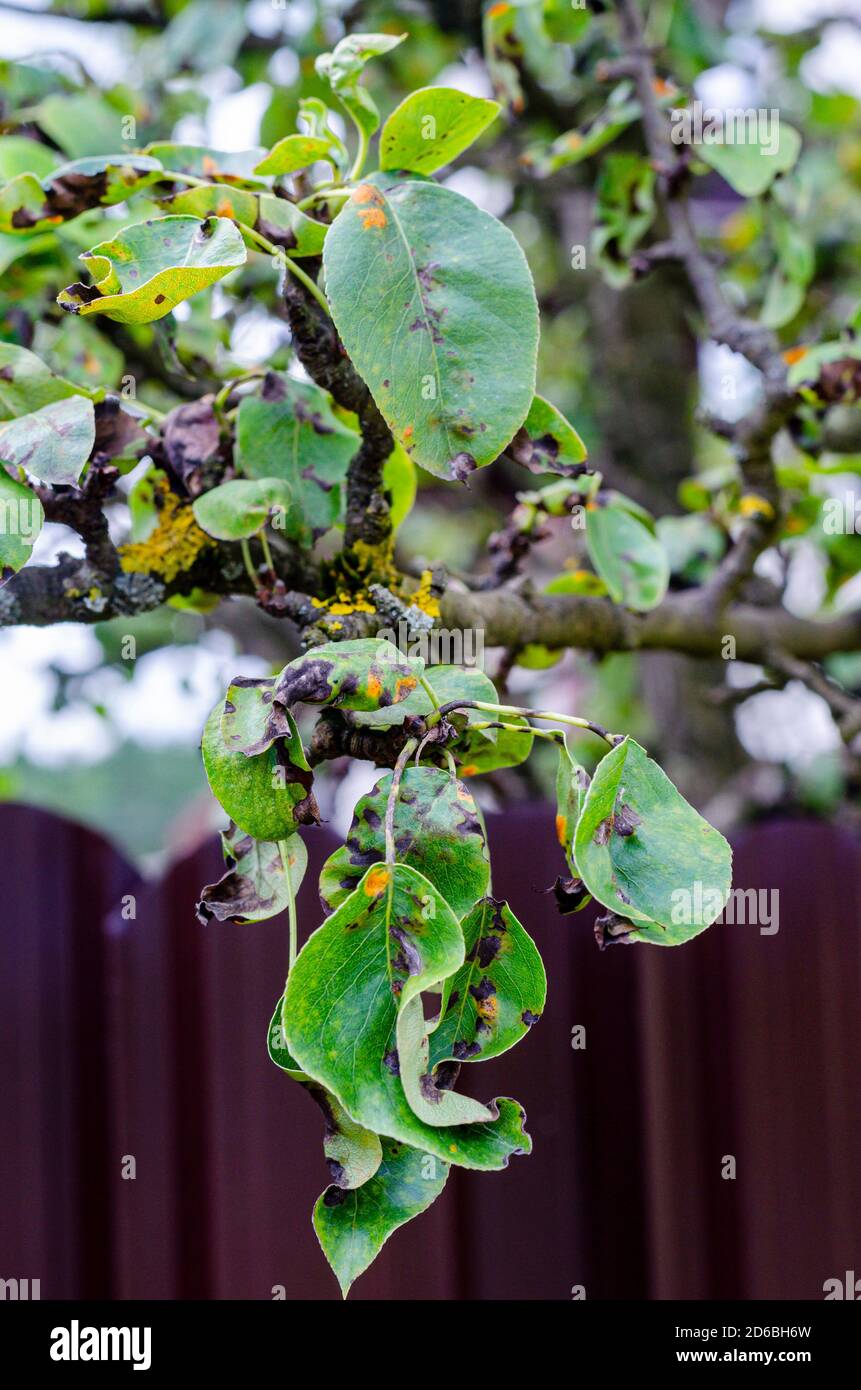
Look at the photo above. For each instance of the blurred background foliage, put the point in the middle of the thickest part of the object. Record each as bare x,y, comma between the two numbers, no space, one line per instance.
113,741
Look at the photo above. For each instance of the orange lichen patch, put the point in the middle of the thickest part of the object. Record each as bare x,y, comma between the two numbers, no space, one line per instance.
374,686
752,505
561,830
793,355
376,882
469,771
403,686
372,217
366,193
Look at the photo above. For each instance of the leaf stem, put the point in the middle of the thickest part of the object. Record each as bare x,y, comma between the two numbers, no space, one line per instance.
267,553
249,567
278,253
291,903
323,195
361,153
403,759
520,713
429,691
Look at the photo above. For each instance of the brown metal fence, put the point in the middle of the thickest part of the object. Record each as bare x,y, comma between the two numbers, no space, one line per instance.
144,1039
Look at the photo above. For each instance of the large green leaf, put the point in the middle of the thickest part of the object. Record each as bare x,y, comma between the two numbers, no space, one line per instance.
352,1227
357,675
628,557
21,520
343,68
394,937
52,443
290,431
26,383
548,443
646,854
434,302
352,1152
149,268
268,796
437,831
28,204
241,507
256,885
751,165
431,127
497,995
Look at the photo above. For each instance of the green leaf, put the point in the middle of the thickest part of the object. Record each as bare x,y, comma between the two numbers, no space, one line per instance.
26,383
548,443
21,520
214,200
431,127
362,674
783,300
572,784
477,750
573,146
291,432
631,561
240,508
400,480
646,854
352,1227
352,1153
221,166
82,123
294,152
434,302
431,1098
28,205
21,155
255,886
343,67
252,719
437,832
53,443
497,995
149,268
289,227
268,796
394,937
751,166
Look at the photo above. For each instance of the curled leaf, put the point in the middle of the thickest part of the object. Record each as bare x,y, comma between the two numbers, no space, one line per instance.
548,443
363,674
255,886
268,796
29,204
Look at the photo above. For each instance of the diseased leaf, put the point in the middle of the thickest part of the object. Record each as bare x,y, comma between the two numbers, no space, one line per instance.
362,674
573,146
291,432
394,937
751,164
628,557
343,67
352,1227
646,854
548,443
437,831
252,719
288,227
27,384
221,166
294,152
434,302
497,995
21,520
268,796
431,127
214,200
241,507
352,1153
255,886
572,784
149,268
30,205
431,1098
52,443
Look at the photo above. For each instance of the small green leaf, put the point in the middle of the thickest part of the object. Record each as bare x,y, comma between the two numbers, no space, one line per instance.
352,1227
214,200
26,383
394,937
646,854
53,443
290,228
268,796
21,520
400,480
548,443
783,300
358,675
497,995
241,507
431,127
437,831
343,67
290,431
434,302
150,267
255,886
293,153
751,165
631,561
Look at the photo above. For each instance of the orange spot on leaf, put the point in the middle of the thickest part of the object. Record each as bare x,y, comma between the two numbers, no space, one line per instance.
793,355
561,830
469,771
376,882
372,217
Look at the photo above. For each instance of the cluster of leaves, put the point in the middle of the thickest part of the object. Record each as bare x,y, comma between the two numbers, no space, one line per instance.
411,918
